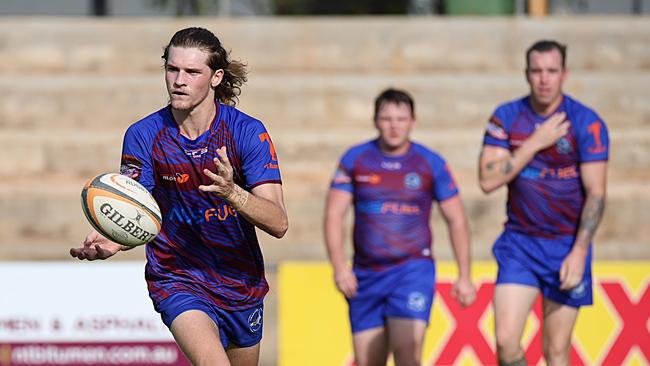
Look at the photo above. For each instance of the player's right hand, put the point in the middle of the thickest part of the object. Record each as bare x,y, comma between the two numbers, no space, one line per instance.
96,246
551,130
346,281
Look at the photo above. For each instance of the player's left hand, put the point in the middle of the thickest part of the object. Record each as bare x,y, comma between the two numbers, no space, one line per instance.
573,267
222,180
464,292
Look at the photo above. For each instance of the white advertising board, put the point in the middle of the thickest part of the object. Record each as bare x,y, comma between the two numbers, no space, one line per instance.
80,313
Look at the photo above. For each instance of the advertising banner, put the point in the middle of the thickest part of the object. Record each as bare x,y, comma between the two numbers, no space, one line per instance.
314,326
99,313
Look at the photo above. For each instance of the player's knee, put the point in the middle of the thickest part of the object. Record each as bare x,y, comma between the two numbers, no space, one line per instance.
406,360
556,353
556,348
509,351
366,360
519,362
406,352
507,342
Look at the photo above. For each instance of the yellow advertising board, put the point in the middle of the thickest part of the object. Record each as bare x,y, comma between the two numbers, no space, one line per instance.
314,327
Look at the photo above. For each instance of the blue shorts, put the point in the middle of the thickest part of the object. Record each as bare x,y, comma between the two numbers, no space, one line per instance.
536,262
403,291
236,328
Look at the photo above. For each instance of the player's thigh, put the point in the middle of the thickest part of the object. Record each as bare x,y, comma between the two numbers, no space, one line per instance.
198,337
406,335
512,304
244,356
370,347
559,321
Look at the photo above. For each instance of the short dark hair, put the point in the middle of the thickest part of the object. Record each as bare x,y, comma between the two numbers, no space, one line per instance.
234,72
546,45
396,96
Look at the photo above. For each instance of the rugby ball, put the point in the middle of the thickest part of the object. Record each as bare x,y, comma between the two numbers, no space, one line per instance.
121,209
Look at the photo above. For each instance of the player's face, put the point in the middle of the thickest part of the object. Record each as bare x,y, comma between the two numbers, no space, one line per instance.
189,79
545,76
394,123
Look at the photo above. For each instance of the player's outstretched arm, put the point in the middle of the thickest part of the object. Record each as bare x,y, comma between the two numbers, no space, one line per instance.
336,208
263,206
453,212
594,181
498,166
96,246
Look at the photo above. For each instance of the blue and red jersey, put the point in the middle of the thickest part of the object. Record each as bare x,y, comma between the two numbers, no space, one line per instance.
547,196
204,246
392,196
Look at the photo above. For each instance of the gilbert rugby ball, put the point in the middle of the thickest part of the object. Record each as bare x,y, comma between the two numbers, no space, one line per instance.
121,209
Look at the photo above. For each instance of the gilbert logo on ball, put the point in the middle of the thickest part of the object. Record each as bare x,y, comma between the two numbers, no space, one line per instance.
121,209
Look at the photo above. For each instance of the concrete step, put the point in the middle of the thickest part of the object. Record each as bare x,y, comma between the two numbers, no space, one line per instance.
325,45
300,101
85,153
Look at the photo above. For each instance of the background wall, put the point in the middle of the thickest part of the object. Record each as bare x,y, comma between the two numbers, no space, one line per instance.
71,86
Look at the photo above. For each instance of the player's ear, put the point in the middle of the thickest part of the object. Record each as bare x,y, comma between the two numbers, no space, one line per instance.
216,78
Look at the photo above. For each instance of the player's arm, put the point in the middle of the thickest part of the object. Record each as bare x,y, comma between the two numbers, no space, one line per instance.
594,181
453,212
263,206
336,208
96,246
498,166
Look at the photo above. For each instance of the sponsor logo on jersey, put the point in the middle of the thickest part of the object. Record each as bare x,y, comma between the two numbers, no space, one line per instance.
220,213
199,215
563,146
568,172
131,167
496,130
399,208
341,177
255,320
196,153
176,177
417,301
412,181
391,165
368,178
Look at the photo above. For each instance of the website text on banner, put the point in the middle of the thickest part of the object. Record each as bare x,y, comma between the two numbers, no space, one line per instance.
55,313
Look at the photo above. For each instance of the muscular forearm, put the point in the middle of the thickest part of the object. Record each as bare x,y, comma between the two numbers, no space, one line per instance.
259,211
334,242
495,172
459,235
592,213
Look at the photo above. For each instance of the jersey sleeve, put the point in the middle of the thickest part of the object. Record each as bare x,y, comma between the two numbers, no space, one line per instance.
593,139
136,158
444,185
259,158
496,133
343,175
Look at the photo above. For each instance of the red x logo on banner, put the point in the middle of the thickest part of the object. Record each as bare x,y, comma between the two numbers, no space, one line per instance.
467,332
634,316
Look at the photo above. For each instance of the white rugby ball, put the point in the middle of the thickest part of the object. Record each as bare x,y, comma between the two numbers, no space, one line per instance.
121,209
